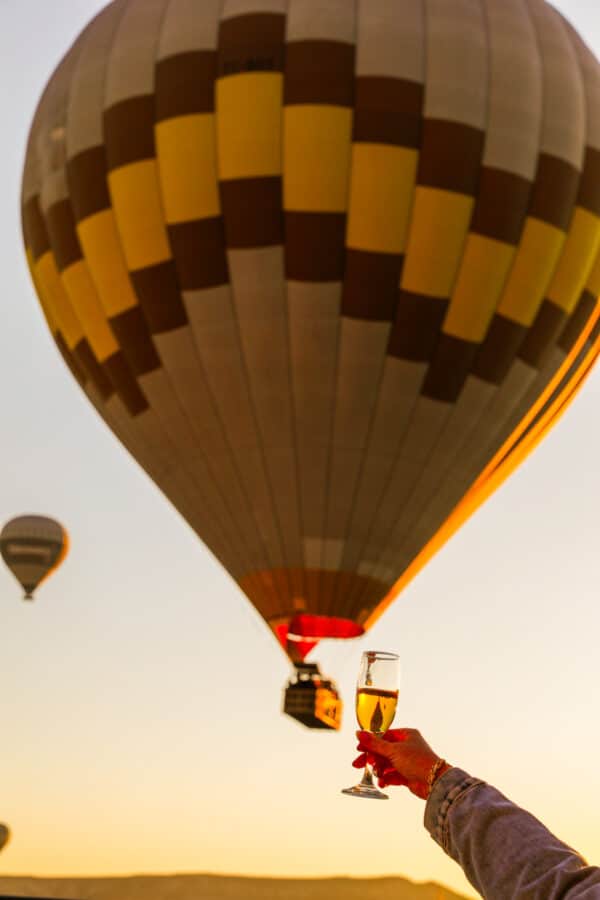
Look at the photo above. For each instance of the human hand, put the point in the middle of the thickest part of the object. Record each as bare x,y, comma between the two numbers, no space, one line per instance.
400,756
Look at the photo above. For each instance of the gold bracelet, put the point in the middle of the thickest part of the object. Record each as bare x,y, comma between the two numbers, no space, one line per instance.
434,772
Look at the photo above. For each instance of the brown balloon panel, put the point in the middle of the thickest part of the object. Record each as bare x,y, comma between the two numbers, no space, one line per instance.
329,272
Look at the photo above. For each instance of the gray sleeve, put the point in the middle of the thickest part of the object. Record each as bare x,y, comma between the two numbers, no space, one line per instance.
503,850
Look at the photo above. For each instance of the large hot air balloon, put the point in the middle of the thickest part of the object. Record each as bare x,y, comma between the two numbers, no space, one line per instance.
33,547
328,270
4,836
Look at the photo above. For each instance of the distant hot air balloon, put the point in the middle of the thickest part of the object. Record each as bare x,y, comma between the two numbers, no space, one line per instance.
33,547
4,836
328,270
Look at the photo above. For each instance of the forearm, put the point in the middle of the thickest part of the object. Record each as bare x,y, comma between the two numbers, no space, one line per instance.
503,850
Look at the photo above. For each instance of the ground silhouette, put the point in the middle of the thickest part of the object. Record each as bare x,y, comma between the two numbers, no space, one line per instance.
216,887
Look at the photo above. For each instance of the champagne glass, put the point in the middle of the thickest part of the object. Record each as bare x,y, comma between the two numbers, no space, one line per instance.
376,699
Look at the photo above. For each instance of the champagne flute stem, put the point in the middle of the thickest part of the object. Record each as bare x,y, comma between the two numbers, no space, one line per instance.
367,779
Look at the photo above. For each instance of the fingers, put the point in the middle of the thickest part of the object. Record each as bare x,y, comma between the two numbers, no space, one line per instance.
392,779
380,763
369,758
393,736
398,735
373,744
389,775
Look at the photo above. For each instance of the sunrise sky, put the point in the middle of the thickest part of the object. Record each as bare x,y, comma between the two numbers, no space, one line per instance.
139,714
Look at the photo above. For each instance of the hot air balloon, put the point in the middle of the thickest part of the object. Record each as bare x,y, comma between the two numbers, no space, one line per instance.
4,836
329,270
33,547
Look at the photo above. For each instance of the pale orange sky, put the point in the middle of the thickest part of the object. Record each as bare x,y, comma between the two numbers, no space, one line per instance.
140,706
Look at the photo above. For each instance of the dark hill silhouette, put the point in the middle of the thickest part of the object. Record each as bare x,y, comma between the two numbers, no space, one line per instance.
217,887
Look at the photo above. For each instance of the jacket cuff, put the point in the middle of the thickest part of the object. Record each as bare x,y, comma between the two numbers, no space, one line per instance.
447,790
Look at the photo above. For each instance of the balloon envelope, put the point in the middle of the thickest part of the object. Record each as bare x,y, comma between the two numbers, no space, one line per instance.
33,547
329,271
4,836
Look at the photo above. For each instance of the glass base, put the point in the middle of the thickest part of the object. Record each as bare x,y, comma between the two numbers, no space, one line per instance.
368,791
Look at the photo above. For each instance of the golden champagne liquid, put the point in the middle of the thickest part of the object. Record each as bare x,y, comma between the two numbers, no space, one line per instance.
375,709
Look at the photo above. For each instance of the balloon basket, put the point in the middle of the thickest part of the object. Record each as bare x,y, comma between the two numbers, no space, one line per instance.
312,700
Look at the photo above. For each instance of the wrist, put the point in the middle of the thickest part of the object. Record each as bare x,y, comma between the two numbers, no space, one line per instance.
439,768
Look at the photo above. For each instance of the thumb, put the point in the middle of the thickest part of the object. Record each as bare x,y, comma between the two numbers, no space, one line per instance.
374,744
